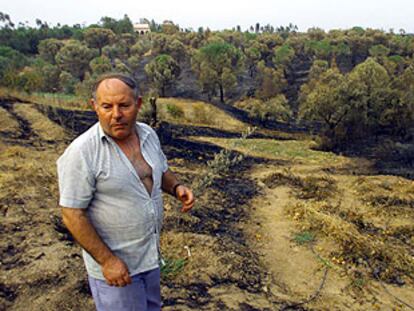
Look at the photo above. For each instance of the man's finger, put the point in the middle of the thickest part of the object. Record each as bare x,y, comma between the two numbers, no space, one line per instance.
190,197
127,279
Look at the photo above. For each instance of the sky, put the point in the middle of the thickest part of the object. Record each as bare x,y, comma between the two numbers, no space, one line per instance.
222,14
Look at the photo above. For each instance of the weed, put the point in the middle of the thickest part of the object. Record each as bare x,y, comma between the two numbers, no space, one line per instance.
175,111
221,164
359,282
171,267
304,237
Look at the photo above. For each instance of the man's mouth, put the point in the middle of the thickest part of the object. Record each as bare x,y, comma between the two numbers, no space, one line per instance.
118,125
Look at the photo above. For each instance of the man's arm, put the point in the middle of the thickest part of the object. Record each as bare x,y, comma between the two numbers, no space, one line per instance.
171,185
114,269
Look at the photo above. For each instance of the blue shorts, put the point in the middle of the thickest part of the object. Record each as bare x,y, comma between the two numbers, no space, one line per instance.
143,294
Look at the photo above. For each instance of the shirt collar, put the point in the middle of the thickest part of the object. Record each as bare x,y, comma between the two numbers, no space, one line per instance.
142,131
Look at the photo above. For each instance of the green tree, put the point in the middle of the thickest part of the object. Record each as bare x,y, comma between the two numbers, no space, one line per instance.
216,65
283,55
98,38
379,51
30,80
162,71
134,62
48,49
273,109
252,57
67,82
74,57
123,25
369,96
326,102
126,41
141,47
271,81
51,77
320,49
10,61
401,114
100,65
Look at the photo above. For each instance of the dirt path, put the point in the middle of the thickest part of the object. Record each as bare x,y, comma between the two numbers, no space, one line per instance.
305,273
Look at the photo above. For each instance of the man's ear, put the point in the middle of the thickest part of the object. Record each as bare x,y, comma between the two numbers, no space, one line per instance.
139,102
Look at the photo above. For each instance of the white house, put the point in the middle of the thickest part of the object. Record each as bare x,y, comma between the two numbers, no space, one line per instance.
142,29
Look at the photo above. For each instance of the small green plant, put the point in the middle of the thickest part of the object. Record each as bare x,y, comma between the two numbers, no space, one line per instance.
304,237
359,282
175,111
171,267
221,164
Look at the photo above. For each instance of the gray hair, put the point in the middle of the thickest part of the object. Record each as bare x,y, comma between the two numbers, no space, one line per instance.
127,79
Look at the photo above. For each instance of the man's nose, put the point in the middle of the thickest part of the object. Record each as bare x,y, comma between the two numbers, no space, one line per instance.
117,114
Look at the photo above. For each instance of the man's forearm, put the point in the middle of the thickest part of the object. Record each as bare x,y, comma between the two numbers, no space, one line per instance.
85,234
169,181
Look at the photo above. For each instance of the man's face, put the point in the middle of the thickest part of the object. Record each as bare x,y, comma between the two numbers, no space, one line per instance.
116,108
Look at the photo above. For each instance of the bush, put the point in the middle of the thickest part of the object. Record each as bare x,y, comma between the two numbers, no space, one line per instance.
67,82
275,109
175,111
30,80
84,89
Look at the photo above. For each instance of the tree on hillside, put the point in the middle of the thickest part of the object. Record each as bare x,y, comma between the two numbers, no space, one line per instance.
74,57
271,81
273,109
359,44
326,102
98,38
169,28
283,55
48,49
100,65
401,114
316,34
141,47
162,71
216,66
369,96
319,49
123,25
252,57
49,73
126,41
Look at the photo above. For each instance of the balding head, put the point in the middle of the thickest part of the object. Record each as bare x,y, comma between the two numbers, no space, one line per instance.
126,79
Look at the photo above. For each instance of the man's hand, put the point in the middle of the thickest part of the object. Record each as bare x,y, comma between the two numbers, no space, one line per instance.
185,195
116,272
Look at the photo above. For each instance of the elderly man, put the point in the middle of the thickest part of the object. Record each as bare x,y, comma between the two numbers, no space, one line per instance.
110,182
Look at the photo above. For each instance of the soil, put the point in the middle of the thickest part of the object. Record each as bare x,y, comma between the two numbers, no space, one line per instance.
237,245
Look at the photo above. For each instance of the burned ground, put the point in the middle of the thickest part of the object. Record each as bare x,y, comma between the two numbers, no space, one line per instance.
41,264
250,242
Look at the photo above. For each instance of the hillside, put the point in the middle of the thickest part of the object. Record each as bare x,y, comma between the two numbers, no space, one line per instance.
285,228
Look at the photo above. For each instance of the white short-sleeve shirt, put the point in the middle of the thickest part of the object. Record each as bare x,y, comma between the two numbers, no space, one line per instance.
94,174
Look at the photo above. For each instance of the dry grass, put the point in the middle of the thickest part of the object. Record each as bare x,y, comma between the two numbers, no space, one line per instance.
372,254
198,113
26,178
53,99
41,125
8,124
387,194
310,187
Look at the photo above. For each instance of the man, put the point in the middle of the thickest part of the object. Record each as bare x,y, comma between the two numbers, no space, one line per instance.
110,182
